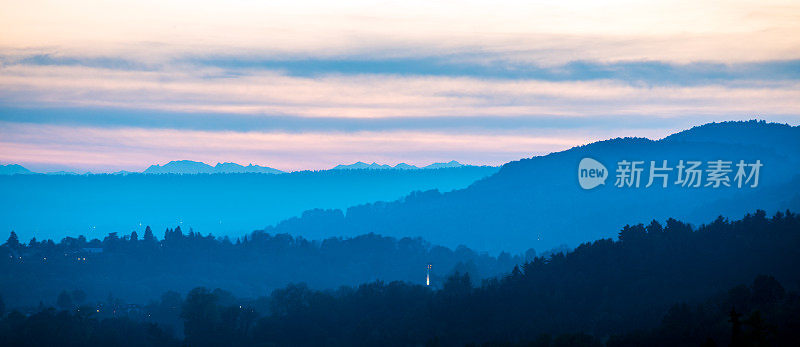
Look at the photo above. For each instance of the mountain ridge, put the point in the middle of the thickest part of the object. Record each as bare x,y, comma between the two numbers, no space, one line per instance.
191,167
538,201
360,165
196,167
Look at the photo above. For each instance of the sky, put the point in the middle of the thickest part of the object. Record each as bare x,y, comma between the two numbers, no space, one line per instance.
103,86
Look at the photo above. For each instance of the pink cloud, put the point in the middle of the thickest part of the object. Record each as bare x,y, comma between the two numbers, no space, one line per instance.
101,149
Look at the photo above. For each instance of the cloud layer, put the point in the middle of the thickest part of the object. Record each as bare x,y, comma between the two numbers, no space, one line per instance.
302,84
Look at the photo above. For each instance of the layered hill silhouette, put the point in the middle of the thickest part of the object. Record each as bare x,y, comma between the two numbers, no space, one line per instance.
537,202
55,206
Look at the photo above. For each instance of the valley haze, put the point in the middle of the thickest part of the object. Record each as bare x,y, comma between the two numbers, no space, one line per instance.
536,201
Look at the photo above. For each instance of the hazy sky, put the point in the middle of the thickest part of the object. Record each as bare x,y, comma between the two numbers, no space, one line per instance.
110,85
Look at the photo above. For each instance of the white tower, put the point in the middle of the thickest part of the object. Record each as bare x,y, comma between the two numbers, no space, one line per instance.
428,275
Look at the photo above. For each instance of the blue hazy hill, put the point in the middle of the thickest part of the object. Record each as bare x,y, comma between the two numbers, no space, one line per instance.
54,206
452,163
360,165
537,202
13,169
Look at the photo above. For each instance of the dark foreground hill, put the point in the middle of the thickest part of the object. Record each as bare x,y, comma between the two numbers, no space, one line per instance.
539,203
724,283
602,288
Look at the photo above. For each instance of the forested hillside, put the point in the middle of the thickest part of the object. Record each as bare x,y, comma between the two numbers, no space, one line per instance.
141,267
723,283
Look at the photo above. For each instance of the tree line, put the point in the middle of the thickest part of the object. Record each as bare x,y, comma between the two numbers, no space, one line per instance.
726,283
139,267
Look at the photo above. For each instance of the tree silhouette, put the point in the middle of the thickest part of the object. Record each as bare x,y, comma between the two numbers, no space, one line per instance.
13,241
78,296
64,300
736,328
766,289
758,329
201,316
148,235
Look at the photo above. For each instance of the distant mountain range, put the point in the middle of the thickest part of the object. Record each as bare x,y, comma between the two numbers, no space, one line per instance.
402,166
190,167
54,206
196,167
